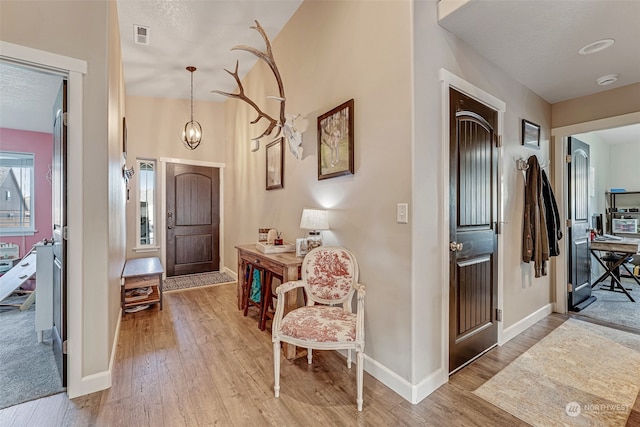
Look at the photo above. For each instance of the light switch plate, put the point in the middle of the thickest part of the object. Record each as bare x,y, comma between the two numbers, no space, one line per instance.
402,213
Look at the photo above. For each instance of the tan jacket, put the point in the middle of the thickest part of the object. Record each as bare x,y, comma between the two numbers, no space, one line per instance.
535,240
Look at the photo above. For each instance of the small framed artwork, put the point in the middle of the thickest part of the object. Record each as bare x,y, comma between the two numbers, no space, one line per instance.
124,138
275,161
301,246
530,134
335,142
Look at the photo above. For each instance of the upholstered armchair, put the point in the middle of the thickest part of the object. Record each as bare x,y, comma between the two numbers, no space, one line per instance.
326,322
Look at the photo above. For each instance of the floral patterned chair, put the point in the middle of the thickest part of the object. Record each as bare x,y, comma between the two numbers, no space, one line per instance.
326,322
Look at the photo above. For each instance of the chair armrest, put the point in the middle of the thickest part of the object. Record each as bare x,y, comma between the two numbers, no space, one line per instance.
286,287
279,314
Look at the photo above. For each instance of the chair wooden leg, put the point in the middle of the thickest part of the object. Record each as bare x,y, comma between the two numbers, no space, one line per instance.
276,368
349,358
360,362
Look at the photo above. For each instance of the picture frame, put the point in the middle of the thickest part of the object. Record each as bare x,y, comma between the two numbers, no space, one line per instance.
301,246
124,137
275,164
530,134
336,141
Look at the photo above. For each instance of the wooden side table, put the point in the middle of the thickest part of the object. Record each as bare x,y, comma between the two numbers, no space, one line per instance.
286,265
142,273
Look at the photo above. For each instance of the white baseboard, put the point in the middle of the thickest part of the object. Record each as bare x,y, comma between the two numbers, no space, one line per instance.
413,393
101,380
231,273
521,326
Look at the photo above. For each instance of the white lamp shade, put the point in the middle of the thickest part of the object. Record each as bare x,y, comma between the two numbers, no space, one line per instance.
314,219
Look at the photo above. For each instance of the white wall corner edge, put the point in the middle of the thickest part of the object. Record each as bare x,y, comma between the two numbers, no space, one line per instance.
413,393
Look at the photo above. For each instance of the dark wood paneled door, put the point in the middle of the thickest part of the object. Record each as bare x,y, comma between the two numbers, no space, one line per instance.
59,185
193,219
473,249
579,239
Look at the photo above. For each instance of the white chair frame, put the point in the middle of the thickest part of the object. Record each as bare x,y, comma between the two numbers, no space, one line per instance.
358,344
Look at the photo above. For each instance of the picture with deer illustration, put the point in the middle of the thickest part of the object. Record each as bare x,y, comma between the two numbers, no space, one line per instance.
335,142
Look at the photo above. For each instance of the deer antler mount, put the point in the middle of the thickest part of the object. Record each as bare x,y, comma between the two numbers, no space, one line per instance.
279,123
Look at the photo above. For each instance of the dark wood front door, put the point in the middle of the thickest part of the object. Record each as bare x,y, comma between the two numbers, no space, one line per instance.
579,239
193,219
473,192
59,185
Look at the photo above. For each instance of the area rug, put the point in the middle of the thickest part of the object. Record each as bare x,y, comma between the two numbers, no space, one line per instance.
615,307
27,368
581,374
195,280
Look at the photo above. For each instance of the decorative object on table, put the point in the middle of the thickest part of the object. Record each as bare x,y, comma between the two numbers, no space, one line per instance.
192,132
327,321
335,142
291,133
275,163
270,248
301,246
263,234
314,220
271,236
278,240
530,134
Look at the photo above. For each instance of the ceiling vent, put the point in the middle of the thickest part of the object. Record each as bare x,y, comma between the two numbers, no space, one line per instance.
141,34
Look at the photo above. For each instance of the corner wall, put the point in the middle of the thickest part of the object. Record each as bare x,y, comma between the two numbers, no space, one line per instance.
327,57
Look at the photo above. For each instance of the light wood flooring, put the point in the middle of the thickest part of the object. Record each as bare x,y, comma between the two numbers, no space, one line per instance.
199,362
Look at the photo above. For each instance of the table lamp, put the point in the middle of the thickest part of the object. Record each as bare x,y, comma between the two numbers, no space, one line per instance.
315,221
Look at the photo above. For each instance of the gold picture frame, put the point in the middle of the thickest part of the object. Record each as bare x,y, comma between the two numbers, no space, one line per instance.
336,141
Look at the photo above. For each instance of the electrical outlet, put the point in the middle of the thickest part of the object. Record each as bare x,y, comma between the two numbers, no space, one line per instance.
402,213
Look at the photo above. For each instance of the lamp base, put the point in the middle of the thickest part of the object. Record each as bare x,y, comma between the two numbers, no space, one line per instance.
314,239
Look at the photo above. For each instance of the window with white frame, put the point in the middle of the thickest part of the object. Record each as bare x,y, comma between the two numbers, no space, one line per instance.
146,203
17,194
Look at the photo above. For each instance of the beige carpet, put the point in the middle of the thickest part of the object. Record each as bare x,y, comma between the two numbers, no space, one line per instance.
579,375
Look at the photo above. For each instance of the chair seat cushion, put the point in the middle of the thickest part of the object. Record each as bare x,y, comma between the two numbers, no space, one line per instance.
320,323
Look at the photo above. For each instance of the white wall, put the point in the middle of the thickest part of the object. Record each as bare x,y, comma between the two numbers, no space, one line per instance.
154,127
435,48
327,57
84,30
623,166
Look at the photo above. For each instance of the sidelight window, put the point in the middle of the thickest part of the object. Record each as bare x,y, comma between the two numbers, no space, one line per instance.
147,204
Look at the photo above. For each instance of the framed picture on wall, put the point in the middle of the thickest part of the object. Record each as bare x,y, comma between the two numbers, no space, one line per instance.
530,134
275,162
335,142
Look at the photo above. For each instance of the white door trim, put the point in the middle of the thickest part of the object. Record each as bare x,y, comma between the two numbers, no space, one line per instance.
75,69
560,137
448,80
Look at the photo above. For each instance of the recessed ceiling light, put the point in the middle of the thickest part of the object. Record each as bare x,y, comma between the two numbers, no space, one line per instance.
608,79
596,46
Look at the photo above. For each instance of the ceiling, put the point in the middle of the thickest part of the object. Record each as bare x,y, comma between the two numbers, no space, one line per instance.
535,41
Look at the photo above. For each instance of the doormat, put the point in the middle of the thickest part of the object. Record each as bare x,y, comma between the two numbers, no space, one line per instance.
188,281
581,374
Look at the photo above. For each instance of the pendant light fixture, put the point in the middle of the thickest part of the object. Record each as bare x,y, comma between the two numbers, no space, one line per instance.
192,132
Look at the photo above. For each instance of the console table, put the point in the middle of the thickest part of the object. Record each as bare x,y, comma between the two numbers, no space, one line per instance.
286,265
